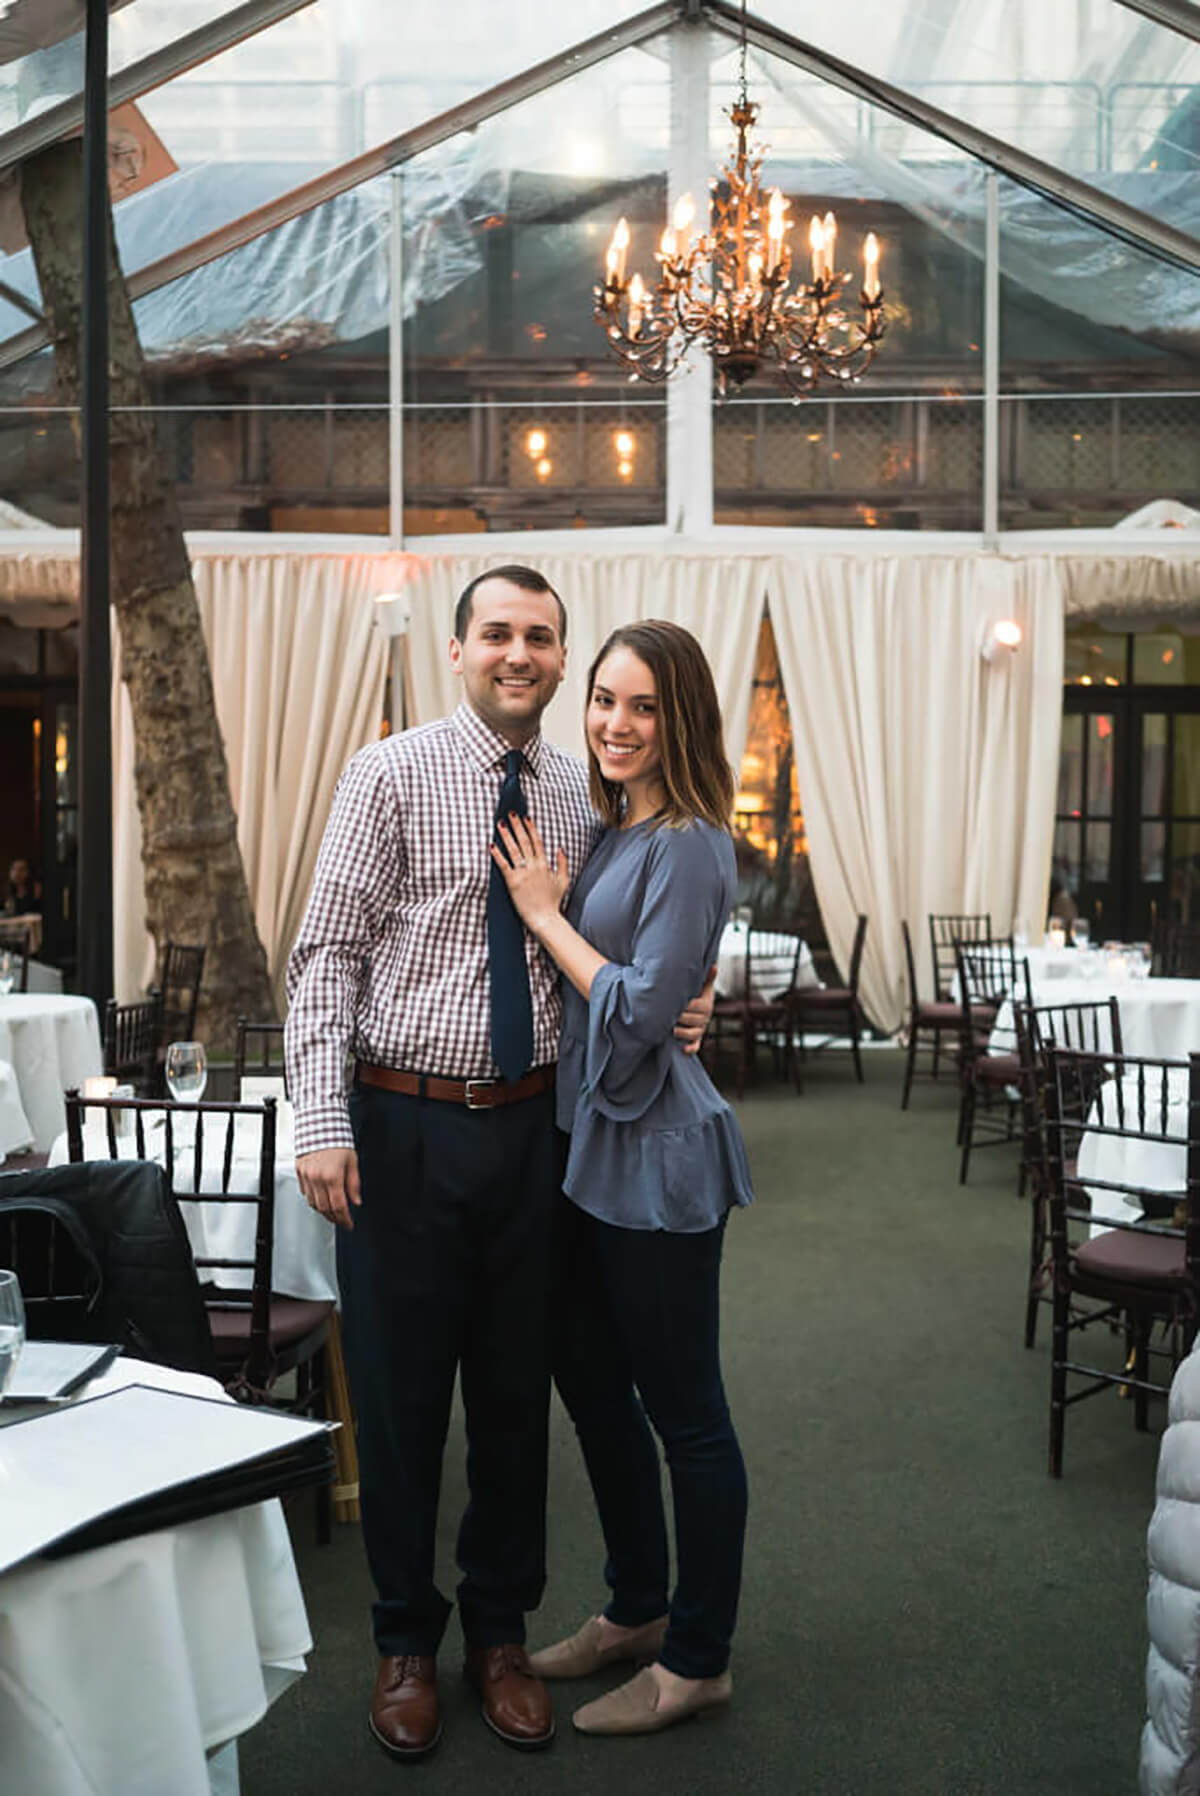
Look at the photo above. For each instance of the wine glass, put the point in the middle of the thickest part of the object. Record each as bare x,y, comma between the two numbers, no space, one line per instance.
8,972
186,1071
1020,933
1080,932
12,1327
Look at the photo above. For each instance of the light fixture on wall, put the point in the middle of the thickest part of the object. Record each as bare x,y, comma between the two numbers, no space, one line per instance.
624,447
1004,633
536,443
730,288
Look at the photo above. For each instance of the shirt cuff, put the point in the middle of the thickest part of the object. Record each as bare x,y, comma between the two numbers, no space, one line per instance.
320,1126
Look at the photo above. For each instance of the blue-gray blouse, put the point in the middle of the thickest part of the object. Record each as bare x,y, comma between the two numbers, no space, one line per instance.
653,1143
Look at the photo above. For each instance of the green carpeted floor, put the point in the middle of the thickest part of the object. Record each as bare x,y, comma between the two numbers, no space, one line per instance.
925,1613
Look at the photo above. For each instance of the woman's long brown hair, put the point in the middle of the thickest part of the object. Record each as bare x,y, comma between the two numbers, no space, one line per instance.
691,744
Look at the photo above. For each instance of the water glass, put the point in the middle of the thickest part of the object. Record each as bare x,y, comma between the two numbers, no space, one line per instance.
1080,932
8,972
1020,933
1056,933
186,1071
1141,957
12,1327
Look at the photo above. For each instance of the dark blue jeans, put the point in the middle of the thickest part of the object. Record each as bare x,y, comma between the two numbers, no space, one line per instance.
446,1271
636,1335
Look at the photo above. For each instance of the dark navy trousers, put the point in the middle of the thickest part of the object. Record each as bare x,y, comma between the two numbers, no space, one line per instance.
636,1346
446,1272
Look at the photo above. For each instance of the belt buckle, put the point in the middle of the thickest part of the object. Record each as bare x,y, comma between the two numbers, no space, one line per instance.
469,1098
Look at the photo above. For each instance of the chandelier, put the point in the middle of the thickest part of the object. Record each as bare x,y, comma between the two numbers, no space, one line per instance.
731,288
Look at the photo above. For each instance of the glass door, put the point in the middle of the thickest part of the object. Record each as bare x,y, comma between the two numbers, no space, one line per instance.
1164,868
1089,823
1127,823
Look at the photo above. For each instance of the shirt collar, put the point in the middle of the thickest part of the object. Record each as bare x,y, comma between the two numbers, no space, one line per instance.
486,747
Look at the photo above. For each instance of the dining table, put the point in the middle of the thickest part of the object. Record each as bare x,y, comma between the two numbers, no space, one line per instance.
304,1262
1160,1018
131,1669
51,1040
1146,1163
772,954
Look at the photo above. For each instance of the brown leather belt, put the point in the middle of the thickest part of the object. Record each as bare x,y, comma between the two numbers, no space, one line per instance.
476,1094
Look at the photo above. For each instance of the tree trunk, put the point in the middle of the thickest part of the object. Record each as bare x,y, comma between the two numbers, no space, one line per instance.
195,881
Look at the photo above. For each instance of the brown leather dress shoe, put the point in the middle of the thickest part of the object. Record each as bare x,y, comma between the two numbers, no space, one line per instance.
516,1704
404,1708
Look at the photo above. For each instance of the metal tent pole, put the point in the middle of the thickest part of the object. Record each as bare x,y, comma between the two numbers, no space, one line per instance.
396,366
94,904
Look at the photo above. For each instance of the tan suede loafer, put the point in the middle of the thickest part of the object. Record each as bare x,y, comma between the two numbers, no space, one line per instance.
515,1703
586,1652
635,1708
404,1714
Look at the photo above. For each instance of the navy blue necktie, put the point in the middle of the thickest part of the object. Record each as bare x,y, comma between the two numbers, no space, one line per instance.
512,1008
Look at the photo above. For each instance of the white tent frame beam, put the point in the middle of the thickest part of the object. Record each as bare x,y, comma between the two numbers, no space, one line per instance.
1177,15
143,77
1127,222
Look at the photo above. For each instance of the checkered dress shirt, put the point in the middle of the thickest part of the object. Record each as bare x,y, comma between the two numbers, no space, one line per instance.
390,965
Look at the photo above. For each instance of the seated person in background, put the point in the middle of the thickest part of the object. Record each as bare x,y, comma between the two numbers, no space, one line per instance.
23,894
1061,902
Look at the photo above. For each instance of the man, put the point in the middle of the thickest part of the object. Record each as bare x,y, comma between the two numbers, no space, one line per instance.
442,1175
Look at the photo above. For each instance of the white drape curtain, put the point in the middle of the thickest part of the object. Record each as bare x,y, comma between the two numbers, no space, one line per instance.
927,775
298,671
718,597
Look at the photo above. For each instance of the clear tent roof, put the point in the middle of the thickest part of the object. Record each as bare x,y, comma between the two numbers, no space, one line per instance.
1091,86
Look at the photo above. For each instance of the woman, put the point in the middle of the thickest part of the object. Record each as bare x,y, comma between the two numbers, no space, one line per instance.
656,1160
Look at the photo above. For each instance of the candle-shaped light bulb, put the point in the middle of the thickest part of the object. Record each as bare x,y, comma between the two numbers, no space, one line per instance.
775,228
871,265
610,264
667,245
620,243
829,226
816,243
685,212
637,296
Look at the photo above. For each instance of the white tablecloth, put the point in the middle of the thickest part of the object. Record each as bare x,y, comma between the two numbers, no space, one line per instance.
304,1263
1148,1164
51,1042
123,1667
16,1134
1159,1017
770,964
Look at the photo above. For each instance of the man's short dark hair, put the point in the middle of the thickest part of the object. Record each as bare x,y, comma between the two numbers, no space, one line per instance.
527,578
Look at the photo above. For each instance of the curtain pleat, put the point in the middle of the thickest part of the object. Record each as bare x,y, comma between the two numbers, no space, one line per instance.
927,775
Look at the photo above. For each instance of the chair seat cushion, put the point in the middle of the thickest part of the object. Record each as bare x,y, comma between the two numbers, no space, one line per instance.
1133,1257
940,1014
998,1069
292,1318
757,1009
